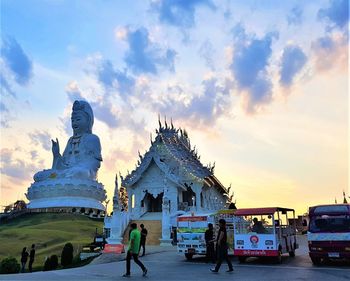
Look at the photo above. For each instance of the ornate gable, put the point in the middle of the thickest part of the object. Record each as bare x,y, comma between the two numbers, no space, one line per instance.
171,151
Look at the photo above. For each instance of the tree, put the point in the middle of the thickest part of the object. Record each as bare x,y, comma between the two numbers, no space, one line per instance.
9,265
67,255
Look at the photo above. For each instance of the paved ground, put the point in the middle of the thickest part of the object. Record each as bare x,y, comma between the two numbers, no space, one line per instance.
167,265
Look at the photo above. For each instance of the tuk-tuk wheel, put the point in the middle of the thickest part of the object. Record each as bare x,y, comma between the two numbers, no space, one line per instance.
189,256
292,253
241,259
316,261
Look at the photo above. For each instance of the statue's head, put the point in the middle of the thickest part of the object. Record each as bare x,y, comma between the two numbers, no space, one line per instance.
82,117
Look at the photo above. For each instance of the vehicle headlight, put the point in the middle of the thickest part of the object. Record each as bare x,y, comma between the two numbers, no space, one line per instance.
268,242
240,242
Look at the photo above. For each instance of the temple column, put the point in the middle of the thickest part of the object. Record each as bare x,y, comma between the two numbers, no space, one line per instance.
166,225
197,188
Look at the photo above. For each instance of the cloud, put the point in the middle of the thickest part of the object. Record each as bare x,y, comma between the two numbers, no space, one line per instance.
41,138
204,108
293,60
103,111
206,51
16,169
34,154
102,108
337,14
106,106
249,68
330,52
5,116
180,13
144,56
111,78
3,108
16,60
295,16
5,86
73,91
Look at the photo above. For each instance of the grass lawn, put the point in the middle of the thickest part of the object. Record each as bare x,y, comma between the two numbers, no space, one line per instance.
49,232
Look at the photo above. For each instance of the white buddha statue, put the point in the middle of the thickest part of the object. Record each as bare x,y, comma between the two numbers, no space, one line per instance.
81,158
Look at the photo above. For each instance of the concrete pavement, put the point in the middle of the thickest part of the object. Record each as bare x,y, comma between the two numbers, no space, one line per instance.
167,265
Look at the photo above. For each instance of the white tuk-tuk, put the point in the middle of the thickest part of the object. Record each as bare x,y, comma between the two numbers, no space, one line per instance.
264,232
191,229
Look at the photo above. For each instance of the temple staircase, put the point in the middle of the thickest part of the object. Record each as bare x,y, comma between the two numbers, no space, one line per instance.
153,224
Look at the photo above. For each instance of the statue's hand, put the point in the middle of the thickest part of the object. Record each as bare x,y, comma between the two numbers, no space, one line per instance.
55,148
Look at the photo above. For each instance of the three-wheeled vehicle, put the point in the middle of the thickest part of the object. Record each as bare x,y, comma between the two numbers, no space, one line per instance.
191,229
264,232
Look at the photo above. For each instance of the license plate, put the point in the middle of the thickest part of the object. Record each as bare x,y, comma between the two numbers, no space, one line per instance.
191,251
333,255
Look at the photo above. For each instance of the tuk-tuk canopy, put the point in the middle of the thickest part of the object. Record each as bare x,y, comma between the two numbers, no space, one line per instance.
260,211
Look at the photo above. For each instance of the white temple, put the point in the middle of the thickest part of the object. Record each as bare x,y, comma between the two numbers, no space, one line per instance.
71,184
169,180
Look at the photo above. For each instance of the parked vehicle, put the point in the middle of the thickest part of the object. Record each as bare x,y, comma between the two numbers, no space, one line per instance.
191,229
264,232
329,232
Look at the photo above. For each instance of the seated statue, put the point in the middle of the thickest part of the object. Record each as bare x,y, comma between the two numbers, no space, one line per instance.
81,158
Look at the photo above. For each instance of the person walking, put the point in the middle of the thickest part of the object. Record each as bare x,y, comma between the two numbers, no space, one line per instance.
209,241
24,258
144,233
31,258
221,248
133,250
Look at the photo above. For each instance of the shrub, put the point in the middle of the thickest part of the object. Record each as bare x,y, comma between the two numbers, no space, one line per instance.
54,262
9,265
67,254
47,265
51,263
76,259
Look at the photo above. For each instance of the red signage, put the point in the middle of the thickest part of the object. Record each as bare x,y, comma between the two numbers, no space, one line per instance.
191,218
114,248
256,253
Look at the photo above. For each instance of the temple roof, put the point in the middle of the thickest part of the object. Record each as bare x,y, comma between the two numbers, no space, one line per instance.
172,152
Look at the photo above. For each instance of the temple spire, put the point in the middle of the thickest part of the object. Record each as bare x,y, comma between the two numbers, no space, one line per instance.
116,195
159,122
166,125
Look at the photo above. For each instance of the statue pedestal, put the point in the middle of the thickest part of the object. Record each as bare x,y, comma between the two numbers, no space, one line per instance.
56,193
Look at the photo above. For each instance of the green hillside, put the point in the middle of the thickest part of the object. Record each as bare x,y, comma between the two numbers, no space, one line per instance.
49,232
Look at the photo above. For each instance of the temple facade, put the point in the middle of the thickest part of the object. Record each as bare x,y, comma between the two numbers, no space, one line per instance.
170,174
169,180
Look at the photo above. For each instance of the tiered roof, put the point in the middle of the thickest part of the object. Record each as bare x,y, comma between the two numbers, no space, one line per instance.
173,154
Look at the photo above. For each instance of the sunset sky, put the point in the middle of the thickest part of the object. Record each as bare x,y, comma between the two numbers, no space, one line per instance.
261,87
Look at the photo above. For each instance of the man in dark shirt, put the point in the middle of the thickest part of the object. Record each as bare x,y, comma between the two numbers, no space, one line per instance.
258,226
31,258
209,241
221,248
144,233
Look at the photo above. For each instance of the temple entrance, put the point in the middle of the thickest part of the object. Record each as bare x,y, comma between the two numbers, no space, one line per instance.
189,197
152,204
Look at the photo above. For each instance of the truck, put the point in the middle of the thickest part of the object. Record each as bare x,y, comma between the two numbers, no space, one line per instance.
191,230
329,232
